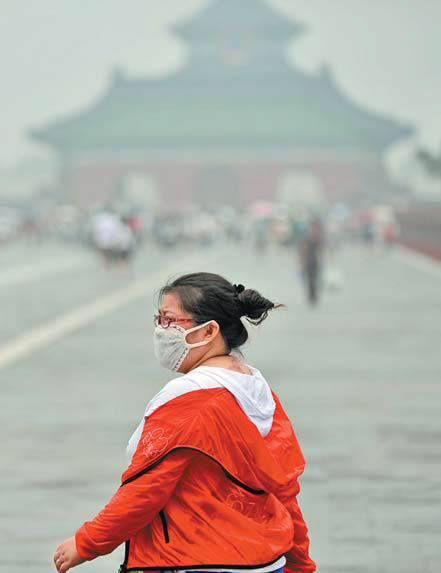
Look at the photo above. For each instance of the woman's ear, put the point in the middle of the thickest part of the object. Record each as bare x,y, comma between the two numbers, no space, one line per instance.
212,330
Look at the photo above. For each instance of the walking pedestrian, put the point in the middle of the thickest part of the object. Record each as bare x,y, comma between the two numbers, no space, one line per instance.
311,258
212,482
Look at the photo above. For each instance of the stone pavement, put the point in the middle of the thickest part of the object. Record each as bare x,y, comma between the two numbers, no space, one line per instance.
360,377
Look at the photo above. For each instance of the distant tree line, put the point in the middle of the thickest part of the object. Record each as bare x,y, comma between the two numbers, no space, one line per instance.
430,161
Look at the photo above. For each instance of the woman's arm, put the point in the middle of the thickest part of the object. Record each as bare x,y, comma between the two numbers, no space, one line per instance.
133,506
297,558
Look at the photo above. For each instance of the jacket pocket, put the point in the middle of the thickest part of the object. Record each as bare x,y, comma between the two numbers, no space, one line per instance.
164,525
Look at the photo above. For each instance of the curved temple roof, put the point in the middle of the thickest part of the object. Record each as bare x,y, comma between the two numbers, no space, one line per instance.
236,91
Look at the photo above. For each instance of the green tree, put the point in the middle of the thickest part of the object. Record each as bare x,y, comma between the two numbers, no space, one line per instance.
430,161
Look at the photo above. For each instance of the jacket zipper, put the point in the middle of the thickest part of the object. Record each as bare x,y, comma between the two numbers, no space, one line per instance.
164,525
227,473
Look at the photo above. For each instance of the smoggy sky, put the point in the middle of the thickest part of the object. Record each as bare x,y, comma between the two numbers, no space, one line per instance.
56,55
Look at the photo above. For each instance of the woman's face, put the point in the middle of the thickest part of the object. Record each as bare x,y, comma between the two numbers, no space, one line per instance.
171,307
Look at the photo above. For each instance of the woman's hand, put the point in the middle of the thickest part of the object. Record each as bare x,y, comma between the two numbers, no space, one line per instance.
67,556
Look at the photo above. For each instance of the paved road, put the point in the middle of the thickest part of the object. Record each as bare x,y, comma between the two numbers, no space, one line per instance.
360,377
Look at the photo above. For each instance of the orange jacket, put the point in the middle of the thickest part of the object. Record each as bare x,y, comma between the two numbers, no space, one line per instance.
205,489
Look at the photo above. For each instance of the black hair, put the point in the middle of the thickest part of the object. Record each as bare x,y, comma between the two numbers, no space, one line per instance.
209,296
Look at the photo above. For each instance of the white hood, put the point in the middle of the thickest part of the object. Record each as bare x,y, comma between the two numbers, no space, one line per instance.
251,391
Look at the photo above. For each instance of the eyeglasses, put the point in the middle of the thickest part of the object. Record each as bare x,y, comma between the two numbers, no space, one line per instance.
166,321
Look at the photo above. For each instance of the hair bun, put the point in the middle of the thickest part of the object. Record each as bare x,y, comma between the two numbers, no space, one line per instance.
239,288
255,306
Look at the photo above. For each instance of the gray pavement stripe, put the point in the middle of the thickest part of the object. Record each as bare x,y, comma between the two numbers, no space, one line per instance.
36,271
53,330
418,261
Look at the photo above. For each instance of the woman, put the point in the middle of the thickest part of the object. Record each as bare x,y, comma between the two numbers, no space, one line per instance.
212,480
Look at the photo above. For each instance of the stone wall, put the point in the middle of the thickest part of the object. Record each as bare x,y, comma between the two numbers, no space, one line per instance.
420,228
231,180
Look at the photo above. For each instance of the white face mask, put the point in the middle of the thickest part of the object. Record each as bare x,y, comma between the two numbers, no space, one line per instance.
171,346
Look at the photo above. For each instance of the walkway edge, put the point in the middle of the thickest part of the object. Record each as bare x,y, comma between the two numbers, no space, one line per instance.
418,261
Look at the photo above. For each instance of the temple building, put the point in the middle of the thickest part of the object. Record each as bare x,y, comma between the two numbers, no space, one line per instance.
235,124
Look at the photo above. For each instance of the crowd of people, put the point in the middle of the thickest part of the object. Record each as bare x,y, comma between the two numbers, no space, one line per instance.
115,235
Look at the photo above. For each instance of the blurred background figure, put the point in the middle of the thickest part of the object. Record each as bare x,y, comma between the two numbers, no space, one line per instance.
368,228
112,237
34,225
311,255
12,224
388,229
261,220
